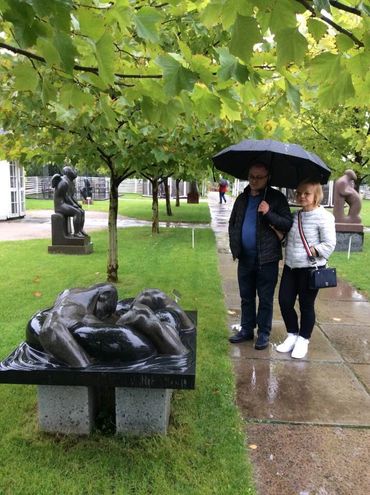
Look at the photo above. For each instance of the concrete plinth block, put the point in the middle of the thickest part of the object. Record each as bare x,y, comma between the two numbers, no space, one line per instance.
345,238
142,411
65,409
67,249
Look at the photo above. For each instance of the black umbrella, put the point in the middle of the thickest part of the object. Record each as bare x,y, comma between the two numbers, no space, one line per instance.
288,163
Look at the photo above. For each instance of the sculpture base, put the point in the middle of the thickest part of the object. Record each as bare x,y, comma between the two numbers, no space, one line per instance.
86,248
349,227
193,198
352,240
65,410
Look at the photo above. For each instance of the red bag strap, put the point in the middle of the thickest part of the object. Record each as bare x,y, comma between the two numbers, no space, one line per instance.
303,237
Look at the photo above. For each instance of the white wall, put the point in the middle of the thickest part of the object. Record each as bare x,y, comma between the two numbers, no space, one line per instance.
4,190
6,194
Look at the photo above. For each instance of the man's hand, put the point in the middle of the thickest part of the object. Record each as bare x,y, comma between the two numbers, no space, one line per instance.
263,207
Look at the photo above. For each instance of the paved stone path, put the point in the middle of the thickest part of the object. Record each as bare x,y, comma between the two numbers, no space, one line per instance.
307,422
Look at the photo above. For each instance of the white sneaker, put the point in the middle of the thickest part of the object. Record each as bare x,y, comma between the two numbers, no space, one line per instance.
288,343
300,348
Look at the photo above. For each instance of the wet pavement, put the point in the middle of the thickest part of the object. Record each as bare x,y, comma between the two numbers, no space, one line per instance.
37,224
307,422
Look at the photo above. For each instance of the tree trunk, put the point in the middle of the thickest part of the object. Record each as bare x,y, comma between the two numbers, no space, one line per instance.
168,199
178,192
112,267
155,210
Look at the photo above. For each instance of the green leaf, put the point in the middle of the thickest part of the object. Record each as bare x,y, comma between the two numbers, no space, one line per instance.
212,14
146,21
245,34
66,50
163,113
26,78
338,92
231,108
325,66
48,51
105,58
322,5
291,46
91,25
205,103
343,42
293,96
359,64
202,66
176,77
316,28
282,14
109,114
48,91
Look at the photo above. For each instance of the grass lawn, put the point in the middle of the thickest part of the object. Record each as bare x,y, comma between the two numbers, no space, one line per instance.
135,206
355,269
204,452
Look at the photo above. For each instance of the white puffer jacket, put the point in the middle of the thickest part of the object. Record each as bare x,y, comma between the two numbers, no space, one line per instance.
319,229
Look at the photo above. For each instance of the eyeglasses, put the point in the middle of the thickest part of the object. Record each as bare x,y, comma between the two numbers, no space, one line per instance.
257,177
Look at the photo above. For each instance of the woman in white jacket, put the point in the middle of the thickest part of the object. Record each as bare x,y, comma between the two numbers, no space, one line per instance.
319,229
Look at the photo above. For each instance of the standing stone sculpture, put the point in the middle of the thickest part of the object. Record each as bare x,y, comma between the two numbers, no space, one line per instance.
344,192
348,226
66,207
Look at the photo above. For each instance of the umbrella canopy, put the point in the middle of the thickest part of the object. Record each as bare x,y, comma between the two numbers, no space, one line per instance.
289,164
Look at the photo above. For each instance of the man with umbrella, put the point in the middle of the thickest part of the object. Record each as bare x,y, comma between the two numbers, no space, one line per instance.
257,213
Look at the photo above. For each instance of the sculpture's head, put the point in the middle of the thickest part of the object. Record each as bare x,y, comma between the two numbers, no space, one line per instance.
350,174
106,301
70,173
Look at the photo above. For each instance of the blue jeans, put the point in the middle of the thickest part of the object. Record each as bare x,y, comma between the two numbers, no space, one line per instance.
255,279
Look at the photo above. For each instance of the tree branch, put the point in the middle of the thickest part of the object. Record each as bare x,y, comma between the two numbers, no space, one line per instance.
346,8
82,68
331,23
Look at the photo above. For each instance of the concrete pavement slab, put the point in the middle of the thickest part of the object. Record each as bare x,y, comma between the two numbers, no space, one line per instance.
300,392
351,341
309,460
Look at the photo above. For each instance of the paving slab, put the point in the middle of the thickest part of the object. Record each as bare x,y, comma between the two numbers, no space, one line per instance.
300,392
362,371
351,341
309,460
320,348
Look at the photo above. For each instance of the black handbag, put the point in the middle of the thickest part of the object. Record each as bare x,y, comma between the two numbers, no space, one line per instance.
320,277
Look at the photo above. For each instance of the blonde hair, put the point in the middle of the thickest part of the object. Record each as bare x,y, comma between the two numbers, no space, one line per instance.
318,193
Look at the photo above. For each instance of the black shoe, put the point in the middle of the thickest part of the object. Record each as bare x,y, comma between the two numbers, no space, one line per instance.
262,341
241,336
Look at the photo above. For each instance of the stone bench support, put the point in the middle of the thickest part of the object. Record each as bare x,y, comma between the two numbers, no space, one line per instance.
142,411
71,409
66,409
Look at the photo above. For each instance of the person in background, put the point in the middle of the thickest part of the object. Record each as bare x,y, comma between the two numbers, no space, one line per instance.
257,247
319,229
222,188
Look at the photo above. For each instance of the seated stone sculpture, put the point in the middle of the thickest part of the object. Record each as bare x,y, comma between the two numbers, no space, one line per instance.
65,201
88,326
344,192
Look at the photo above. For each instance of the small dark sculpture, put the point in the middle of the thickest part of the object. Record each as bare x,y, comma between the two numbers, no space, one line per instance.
344,192
65,201
88,326
86,191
